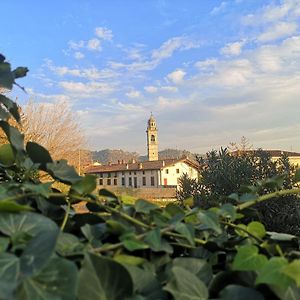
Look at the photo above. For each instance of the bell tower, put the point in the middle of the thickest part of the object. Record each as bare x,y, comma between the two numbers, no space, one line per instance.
152,142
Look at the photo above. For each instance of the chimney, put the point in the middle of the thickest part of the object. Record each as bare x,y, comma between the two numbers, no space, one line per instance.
133,161
163,163
127,166
140,166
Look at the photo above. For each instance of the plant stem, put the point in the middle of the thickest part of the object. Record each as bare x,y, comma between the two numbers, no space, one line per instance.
62,227
267,197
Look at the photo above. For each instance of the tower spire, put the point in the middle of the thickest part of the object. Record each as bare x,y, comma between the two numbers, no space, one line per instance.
152,142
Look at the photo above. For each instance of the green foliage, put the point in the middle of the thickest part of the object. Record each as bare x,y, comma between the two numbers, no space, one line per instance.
130,250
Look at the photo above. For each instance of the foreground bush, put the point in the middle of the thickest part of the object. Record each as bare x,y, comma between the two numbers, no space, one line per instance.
121,251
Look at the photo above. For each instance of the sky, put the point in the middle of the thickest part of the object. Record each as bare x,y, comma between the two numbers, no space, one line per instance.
210,71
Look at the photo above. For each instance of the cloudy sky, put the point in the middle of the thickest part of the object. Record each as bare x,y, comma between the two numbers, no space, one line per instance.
210,71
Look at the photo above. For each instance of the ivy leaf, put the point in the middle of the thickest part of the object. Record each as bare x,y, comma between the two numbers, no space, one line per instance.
129,259
57,280
12,206
143,206
107,279
9,273
7,155
107,194
61,171
271,273
15,138
257,229
210,219
20,72
247,197
38,154
11,106
156,242
277,236
68,244
184,285
292,270
187,230
84,186
6,76
238,292
248,259
132,244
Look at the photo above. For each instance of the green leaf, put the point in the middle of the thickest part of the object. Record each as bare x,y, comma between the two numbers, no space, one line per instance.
38,251
12,206
297,175
277,236
42,189
9,273
145,283
271,273
238,292
20,72
197,266
248,259
11,106
228,211
84,186
6,76
61,171
257,229
210,220
143,206
187,230
131,243
7,155
156,242
184,285
129,259
57,280
68,244
4,242
107,194
105,279
292,270
247,197
38,154
15,138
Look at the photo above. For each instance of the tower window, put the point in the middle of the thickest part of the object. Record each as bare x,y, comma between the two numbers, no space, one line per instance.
152,138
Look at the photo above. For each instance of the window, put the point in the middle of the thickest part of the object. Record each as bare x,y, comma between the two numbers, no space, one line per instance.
143,172
108,175
134,172
123,180
152,138
116,174
101,175
130,173
167,171
144,180
109,181
130,181
152,180
115,181
123,173
177,171
135,182
100,181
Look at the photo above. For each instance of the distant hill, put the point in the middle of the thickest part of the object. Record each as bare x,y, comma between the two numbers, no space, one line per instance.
113,156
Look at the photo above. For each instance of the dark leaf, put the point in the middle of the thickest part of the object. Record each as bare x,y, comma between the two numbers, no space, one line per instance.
38,154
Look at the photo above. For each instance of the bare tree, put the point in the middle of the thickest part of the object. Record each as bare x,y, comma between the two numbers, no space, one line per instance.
54,126
243,146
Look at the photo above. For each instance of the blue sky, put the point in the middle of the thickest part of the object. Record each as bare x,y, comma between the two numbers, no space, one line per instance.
210,71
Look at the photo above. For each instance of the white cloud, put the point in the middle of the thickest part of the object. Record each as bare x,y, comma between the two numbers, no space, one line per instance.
76,45
206,64
89,89
103,33
94,45
279,30
233,49
176,76
151,89
177,43
172,89
219,9
133,94
78,55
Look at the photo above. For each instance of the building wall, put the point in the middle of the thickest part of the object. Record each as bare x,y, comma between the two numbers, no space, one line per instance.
116,177
171,174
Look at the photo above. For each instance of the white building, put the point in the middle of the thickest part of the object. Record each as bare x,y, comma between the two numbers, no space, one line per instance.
153,173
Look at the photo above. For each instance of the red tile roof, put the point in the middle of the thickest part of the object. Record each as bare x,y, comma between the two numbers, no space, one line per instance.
145,165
